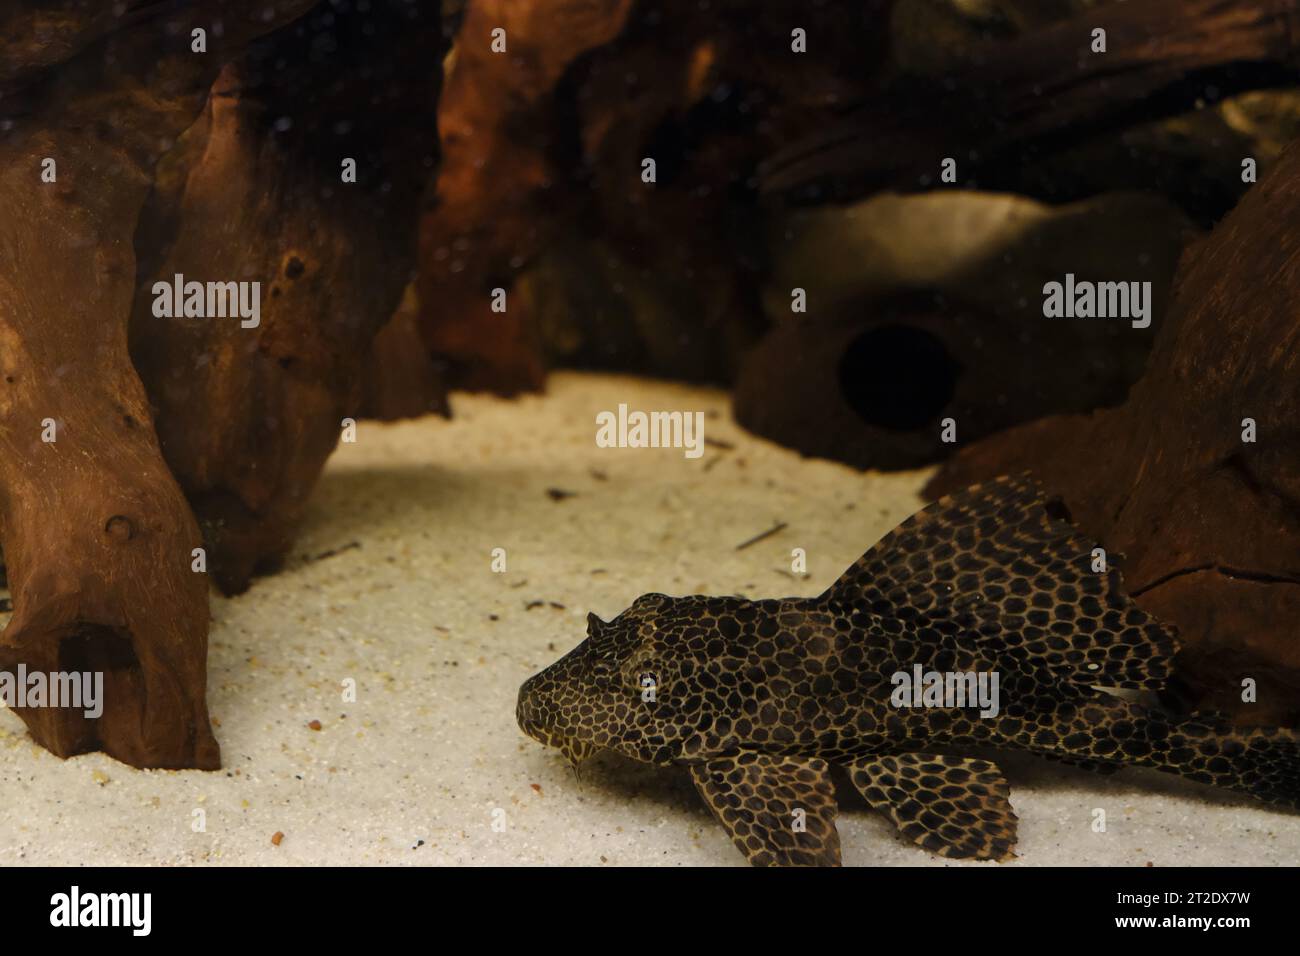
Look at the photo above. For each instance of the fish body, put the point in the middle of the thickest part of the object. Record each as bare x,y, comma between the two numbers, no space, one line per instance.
982,622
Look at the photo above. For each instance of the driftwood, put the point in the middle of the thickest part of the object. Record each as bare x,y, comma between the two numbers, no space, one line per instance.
1209,523
97,535
247,416
541,192
1029,91
492,207
99,539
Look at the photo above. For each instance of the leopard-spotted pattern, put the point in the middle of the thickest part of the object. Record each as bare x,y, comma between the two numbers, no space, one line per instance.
755,697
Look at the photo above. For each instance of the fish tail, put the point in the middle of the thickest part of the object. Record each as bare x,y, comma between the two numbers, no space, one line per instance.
1106,733
1263,762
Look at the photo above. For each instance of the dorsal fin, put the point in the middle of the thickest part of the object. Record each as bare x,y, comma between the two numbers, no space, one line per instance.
999,561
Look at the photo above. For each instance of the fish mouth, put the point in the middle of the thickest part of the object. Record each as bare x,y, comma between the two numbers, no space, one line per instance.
576,751
540,726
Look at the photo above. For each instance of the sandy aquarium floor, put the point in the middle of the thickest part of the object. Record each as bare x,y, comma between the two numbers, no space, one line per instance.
391,585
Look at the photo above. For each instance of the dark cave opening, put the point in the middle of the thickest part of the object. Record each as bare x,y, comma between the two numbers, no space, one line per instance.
897,377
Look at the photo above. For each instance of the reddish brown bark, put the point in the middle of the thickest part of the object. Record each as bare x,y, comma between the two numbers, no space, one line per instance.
544,151
100,543
97,536
255,192
497,127
400,379
1045,82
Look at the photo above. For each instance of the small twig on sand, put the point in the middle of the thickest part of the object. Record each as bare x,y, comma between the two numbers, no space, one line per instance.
779,526
331,552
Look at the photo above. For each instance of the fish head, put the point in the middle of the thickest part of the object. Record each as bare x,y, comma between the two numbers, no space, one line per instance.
629,687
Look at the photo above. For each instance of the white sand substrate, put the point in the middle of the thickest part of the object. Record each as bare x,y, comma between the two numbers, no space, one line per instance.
391,585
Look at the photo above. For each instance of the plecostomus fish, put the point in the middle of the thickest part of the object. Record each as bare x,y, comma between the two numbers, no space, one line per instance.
983,621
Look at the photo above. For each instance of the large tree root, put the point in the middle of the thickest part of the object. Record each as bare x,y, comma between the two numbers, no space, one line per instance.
497,124
1041,86
98,538
97,534
255,191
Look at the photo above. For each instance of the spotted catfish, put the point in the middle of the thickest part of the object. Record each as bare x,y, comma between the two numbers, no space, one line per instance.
756,699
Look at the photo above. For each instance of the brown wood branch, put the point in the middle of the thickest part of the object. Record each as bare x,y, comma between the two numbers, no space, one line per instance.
490,212
97,535
98,538
1038,84
248,416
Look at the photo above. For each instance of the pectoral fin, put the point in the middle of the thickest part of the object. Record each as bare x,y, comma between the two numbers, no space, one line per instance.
780,811
953,806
